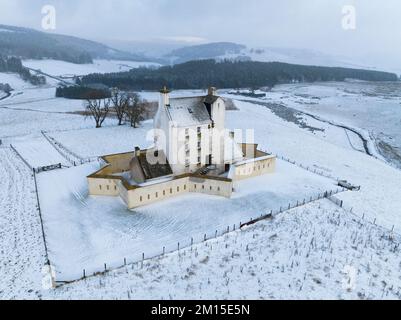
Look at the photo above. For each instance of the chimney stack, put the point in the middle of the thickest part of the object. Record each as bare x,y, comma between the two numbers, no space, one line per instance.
212,91
137,152
164,97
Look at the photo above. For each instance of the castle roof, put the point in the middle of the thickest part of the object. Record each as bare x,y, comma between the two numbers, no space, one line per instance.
188,111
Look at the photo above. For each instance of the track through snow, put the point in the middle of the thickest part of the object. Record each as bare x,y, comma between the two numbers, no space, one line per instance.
22,253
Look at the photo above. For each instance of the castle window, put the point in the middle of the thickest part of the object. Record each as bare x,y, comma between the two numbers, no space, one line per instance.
218,188
178,189
171,190
194,186
199,129
140,198
100,187
185,187
157,195
108,187
148,196
115,187
203,186
164,192
210,187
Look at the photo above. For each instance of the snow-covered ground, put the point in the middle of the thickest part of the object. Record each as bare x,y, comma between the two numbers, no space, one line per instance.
67,69
22,253
378,198
315,252
300,254
374,108
38,152
85,232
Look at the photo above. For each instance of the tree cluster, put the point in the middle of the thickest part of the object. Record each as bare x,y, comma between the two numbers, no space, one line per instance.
13,64
82,92
124,106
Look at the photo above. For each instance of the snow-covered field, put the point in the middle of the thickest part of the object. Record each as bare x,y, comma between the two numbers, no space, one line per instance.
39,152
304,253
67,69
85,232
315,252
22,253
373,108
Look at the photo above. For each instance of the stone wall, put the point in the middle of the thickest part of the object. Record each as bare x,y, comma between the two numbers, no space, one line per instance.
254,167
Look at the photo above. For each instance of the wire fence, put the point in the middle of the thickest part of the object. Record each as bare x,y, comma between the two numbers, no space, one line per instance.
308,168
140,258
21,157
362,216
72,157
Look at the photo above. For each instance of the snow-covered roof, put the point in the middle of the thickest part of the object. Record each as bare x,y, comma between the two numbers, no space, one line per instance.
188,111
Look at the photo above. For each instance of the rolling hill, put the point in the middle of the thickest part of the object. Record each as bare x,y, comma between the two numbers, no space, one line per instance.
28,43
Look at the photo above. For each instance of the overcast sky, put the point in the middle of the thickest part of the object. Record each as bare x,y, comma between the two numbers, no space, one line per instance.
315,24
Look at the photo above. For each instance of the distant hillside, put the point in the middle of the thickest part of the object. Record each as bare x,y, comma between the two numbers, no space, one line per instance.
32,44
204,51
229,74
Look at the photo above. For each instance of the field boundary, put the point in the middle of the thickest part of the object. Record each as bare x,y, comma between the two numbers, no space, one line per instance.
264,216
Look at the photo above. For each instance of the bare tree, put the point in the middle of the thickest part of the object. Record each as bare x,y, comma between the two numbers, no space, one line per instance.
119,101
98,109
134,109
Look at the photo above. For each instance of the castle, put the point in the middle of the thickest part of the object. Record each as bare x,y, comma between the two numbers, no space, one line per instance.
192,152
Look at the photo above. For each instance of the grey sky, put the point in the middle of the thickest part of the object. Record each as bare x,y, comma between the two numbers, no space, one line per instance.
314,24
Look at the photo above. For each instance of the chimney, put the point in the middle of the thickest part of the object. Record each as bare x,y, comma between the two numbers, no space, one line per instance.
164,97
137,152
212,91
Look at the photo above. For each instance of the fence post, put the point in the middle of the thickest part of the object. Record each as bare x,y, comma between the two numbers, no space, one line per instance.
125,261
215,234
204,237
84,274
105,267
192,241
178,246
164,250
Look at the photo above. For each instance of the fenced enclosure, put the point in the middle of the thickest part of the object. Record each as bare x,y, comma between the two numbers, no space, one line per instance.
73,158
137,260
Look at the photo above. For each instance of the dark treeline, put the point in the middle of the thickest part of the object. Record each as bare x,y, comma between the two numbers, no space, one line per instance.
13,64
229,74
82,93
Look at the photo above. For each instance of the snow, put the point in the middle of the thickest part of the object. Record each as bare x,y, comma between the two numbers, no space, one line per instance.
22,251
94,142
67,69
88,231
315,252
39,152
378,198
84,232
14,80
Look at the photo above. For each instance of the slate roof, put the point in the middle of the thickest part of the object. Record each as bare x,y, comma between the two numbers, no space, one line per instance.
152,171
188,111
